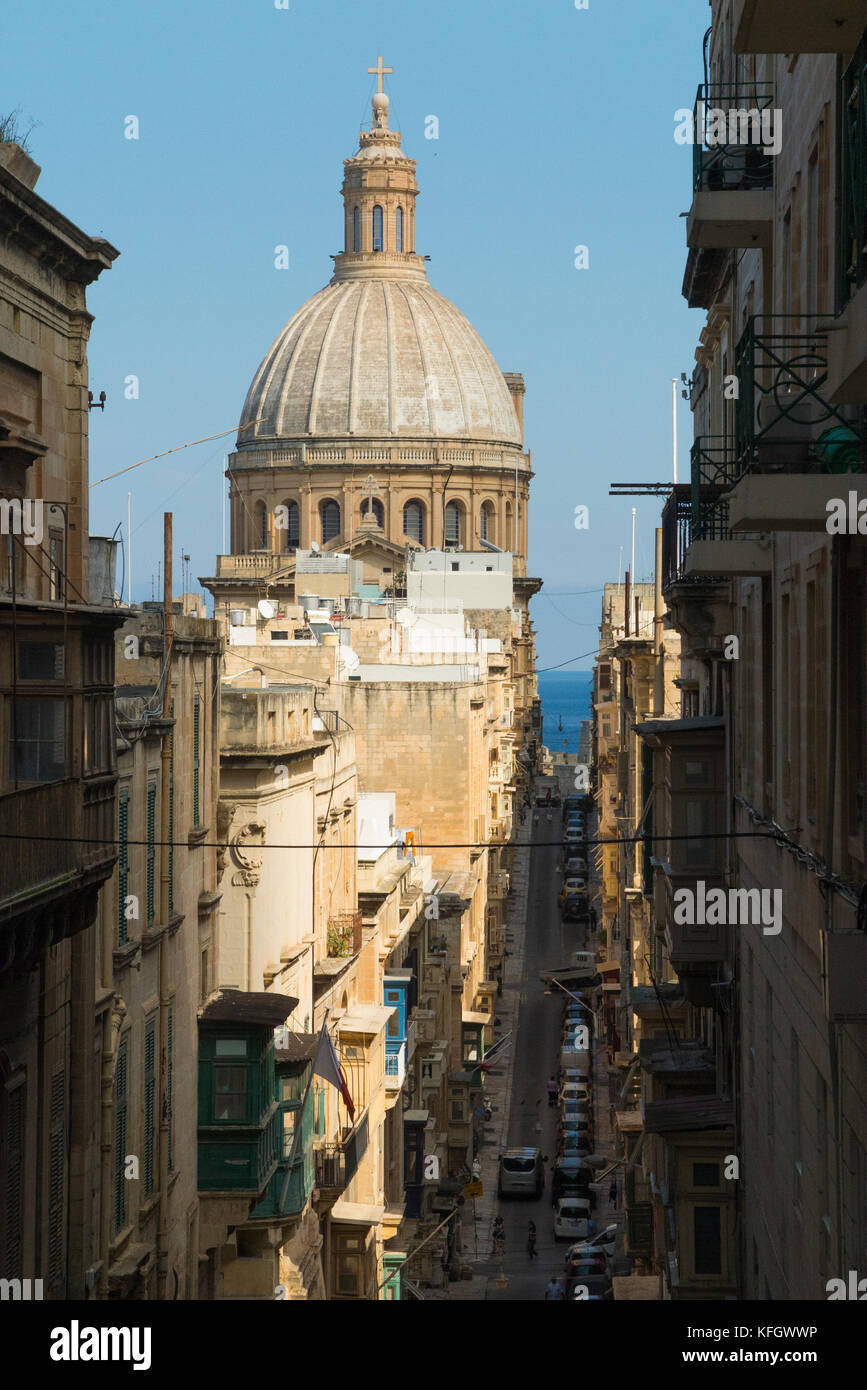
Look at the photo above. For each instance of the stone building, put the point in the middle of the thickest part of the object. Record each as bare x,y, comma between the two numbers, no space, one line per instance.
156,958
764,771
57,756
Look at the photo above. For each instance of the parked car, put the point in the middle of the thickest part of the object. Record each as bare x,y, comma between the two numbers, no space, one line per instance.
571,1218
604,1241
572,1178
576,864
575,1146
575,907
575,1090
595,1264
522,1173
572,884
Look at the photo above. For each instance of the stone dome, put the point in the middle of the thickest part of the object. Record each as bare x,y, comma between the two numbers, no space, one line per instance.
379,357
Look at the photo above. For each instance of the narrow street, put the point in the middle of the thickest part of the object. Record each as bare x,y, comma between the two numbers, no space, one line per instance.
517,1086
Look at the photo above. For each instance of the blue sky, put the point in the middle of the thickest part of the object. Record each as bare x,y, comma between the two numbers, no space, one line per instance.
555,129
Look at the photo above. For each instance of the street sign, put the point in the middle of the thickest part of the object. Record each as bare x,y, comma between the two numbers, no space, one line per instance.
473,1189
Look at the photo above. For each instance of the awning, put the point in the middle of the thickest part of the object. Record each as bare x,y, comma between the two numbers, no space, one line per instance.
365,1018
357,1213
469,1016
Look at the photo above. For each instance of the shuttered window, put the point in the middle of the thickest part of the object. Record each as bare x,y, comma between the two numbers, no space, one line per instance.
196,756
56,1177
151,850
120,1138
122,865
172,815
149,1104
12,1141
170,1061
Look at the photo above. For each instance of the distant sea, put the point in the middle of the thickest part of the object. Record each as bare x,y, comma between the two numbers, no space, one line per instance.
566,698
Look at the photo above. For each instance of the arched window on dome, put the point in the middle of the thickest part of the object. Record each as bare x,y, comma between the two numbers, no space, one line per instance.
377,228
510,533
487,525
356,229
261,527
329,515
453,524
290,525
378,511
398,230
413,521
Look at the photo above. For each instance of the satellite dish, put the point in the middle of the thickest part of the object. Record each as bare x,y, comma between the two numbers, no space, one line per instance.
350,658
268,608
406,617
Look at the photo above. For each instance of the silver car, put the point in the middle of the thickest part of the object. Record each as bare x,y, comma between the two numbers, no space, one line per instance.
522,1173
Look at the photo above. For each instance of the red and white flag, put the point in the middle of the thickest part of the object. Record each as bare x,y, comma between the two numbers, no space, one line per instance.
327,1065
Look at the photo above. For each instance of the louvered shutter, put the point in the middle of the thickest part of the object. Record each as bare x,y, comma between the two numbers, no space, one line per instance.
120,1138
122,866
151,837
149,1093
56,1177
13,1187
196,737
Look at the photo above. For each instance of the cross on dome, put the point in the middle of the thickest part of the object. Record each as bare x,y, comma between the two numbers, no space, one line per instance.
380,72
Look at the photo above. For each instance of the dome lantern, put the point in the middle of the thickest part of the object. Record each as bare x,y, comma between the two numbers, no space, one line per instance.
379,192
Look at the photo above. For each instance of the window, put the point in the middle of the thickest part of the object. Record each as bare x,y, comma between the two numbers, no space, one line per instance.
377,228
149,1105
398,230
150,860
56,577
170,1063
356,229
122,864
38,740
260,537
486,522
40,661
349,1265
705,1175
707,1234
329,513
453,524
120,1137
230,1092
292,531
197,732
98,733
413,521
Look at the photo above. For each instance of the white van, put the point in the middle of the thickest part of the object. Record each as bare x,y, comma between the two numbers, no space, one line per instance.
572,1218
522,1173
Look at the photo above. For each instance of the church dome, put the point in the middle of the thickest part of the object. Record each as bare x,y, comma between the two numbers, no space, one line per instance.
378,355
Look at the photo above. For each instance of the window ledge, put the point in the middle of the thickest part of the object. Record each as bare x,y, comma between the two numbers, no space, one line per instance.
153,935
125,955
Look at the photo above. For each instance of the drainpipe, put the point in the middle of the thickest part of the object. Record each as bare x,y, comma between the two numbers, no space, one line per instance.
112,1023
833,1029
165,884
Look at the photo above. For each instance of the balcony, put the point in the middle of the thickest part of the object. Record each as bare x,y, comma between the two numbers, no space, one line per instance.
809,26
711,550
847,358
733,170
343,934
395,1065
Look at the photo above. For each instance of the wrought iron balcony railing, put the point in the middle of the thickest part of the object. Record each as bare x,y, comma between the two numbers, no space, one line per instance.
783,423
728,150
852,178
344,933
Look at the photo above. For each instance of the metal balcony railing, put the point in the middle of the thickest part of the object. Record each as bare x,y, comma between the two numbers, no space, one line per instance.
783,423
728,152
330,1165
852,178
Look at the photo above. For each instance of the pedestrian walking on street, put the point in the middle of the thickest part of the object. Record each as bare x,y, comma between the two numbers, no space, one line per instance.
498,1237
554,1289
531,1241
552,1090
612,1192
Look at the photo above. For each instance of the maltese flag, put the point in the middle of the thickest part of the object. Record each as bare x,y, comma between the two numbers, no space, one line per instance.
327,1065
